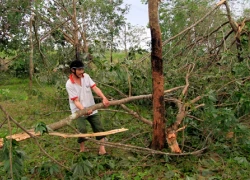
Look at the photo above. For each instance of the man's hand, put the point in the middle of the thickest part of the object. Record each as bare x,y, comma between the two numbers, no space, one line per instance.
105,102
89,112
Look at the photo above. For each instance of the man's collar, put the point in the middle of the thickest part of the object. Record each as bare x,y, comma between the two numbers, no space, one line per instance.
72,79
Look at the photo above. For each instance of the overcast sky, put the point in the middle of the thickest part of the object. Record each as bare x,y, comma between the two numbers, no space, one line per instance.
138,14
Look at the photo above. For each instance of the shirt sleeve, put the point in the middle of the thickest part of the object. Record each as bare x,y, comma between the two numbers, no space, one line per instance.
89,82
71,91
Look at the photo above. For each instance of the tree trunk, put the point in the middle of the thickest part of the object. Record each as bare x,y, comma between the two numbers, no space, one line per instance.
76,38
237,30
31,64
125,42
159,139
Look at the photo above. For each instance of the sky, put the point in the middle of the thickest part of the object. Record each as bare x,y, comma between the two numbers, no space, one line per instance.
138,14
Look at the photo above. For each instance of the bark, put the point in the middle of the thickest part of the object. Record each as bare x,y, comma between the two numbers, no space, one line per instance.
158,141
125,42
75,32
111,23
31,64
38,43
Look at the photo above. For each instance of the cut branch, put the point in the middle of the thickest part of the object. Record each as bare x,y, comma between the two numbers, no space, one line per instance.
136,115
183,110
145,150
89,134
32,133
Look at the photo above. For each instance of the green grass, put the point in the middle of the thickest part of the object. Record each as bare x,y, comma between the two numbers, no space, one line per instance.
44,104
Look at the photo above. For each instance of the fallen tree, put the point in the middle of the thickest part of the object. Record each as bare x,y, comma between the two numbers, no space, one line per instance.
66,121
171,131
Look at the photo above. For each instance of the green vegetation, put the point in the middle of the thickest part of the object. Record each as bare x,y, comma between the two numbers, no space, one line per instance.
205,52
226,157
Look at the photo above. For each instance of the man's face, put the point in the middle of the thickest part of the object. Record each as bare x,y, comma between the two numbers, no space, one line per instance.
79,72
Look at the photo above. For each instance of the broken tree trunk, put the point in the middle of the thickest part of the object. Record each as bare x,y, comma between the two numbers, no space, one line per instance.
238,29
172,130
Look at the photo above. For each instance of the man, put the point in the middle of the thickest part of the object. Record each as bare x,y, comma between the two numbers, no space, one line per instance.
79,87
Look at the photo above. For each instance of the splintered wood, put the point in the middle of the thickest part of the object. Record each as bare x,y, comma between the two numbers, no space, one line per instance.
23,136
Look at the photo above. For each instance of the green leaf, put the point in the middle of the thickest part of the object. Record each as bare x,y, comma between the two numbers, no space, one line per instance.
53,169
211,95
241,160
41,127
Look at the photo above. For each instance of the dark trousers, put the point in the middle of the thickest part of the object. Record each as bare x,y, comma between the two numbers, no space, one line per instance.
95,123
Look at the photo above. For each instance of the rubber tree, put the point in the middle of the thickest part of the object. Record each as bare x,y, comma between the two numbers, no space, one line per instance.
159,137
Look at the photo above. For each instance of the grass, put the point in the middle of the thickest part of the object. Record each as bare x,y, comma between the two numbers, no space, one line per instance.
44,104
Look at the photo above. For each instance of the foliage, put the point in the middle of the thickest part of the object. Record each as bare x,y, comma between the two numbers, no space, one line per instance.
13,160
13,26
41,128
20,68
126,75
4,93
81,168
46,170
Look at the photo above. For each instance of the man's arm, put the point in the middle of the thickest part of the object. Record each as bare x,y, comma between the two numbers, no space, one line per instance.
80,106
105,101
